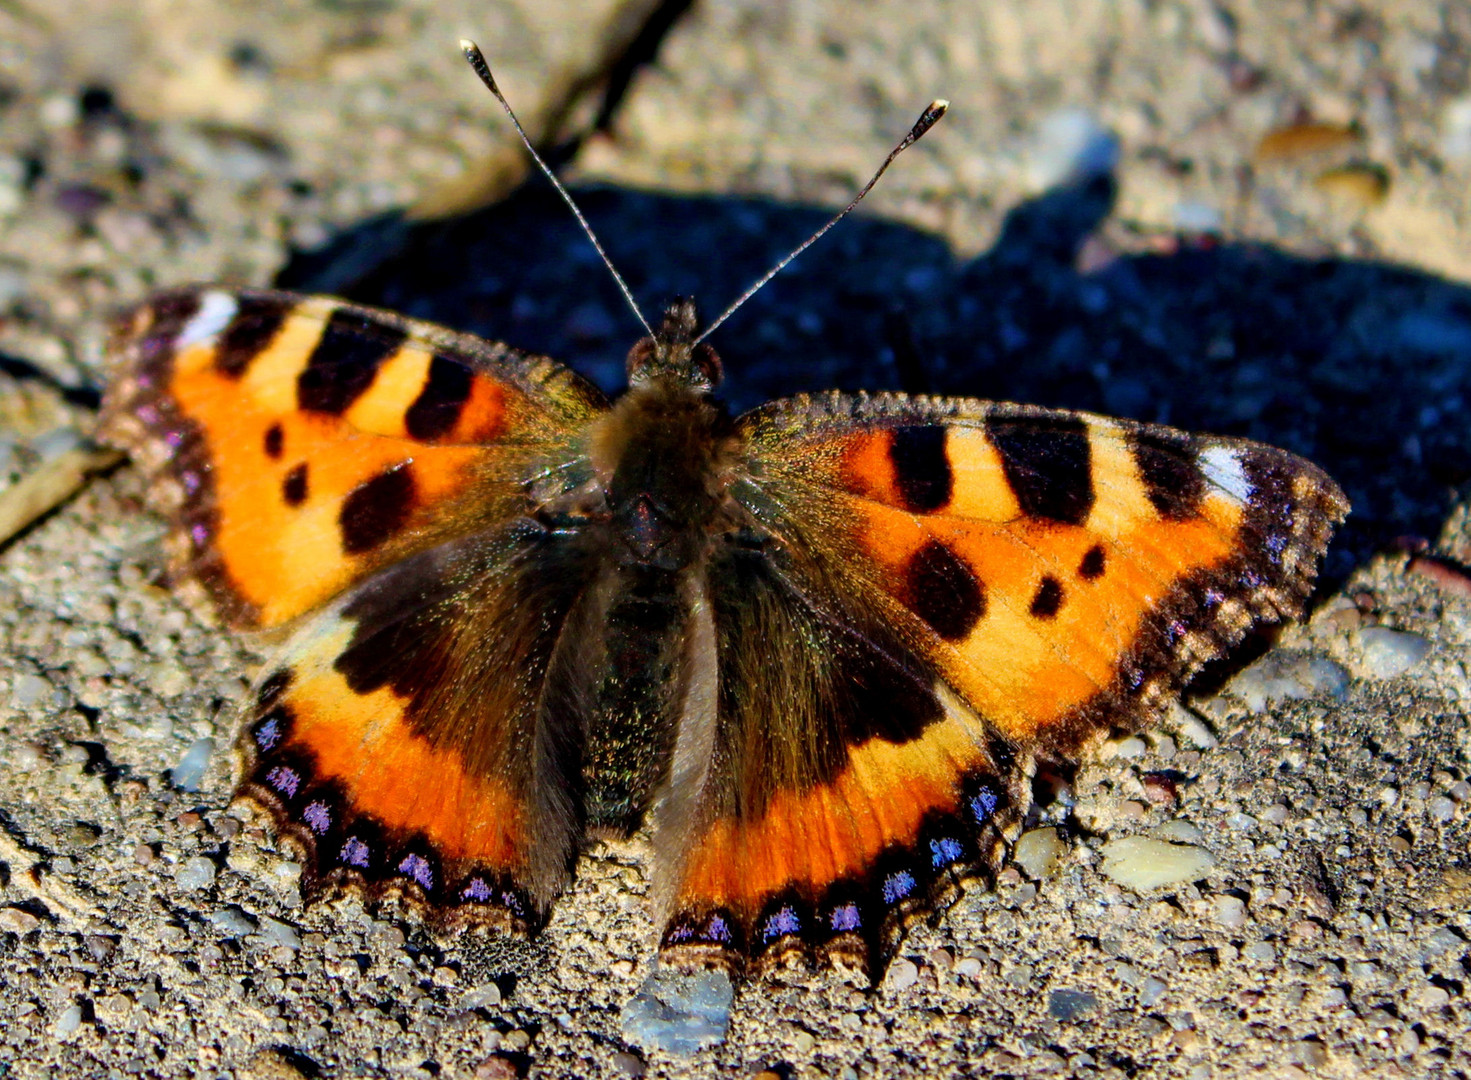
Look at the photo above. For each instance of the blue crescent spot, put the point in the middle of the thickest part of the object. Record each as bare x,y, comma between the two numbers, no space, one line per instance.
418,869
897,886
781,923
284,780
945,851
318,817
354,852
845,918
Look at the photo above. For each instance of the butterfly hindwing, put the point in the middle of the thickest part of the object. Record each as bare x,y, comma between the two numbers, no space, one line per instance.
410,739
301,443
966,585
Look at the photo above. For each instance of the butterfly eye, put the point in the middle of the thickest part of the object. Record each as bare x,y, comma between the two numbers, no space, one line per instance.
706,363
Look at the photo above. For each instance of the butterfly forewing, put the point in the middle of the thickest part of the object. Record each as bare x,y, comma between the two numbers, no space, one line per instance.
301,443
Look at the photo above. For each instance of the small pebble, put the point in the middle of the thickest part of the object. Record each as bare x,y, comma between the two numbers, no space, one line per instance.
232,922
1284,675
903,973
189,772
481,997
195,872
276,932
1071,145
1443,941
969,967
1230,911
1069,1005
1193,728
1359,184
1130,748
1037,852
630,1065
27,691
1160,789
1388,653
69,1020
1152,991
497,1067
1434,997
1142,863
1306,139
679,1012
1179,831
1261,951
1441,808
18,920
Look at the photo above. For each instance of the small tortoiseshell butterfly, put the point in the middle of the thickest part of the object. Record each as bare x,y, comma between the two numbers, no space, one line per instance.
819,645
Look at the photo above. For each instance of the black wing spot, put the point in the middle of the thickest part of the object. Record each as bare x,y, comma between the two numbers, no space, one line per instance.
1048,601
1092,565
921,468
944,592
275,442
1048,463
376,509
437,408
345,362
293,488
257,321
1170,472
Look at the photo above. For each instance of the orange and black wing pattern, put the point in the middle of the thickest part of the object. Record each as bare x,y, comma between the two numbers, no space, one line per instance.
934,593
363,478
301,443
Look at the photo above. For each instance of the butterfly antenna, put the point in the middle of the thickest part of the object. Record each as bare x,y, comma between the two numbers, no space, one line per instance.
477,62
927,120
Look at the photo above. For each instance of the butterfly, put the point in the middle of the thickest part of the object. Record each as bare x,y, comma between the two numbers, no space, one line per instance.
817,648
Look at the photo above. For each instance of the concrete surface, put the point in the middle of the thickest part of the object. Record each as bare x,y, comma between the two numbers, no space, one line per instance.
1106,220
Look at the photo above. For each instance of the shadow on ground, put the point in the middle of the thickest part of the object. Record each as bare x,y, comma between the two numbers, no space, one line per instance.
1360,366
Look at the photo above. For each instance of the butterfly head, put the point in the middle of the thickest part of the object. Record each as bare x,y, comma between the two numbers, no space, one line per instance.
673,353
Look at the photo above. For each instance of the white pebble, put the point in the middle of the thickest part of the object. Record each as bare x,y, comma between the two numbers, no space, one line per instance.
902,974
276,932
1388,653
1230,912
189,772
1142,863
1037,852
1284,675
195,872
69,1020
1441,808
28,690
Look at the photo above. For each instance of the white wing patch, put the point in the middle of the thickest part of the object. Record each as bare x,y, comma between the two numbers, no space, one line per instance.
1222,467
216,309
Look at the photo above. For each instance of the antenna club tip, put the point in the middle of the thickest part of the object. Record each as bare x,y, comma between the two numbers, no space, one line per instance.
938,106
468,47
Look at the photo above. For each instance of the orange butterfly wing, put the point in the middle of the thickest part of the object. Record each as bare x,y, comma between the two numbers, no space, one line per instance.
300,443
1022,578
308,449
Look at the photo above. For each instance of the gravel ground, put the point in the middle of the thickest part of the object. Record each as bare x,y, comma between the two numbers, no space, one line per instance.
1242,217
